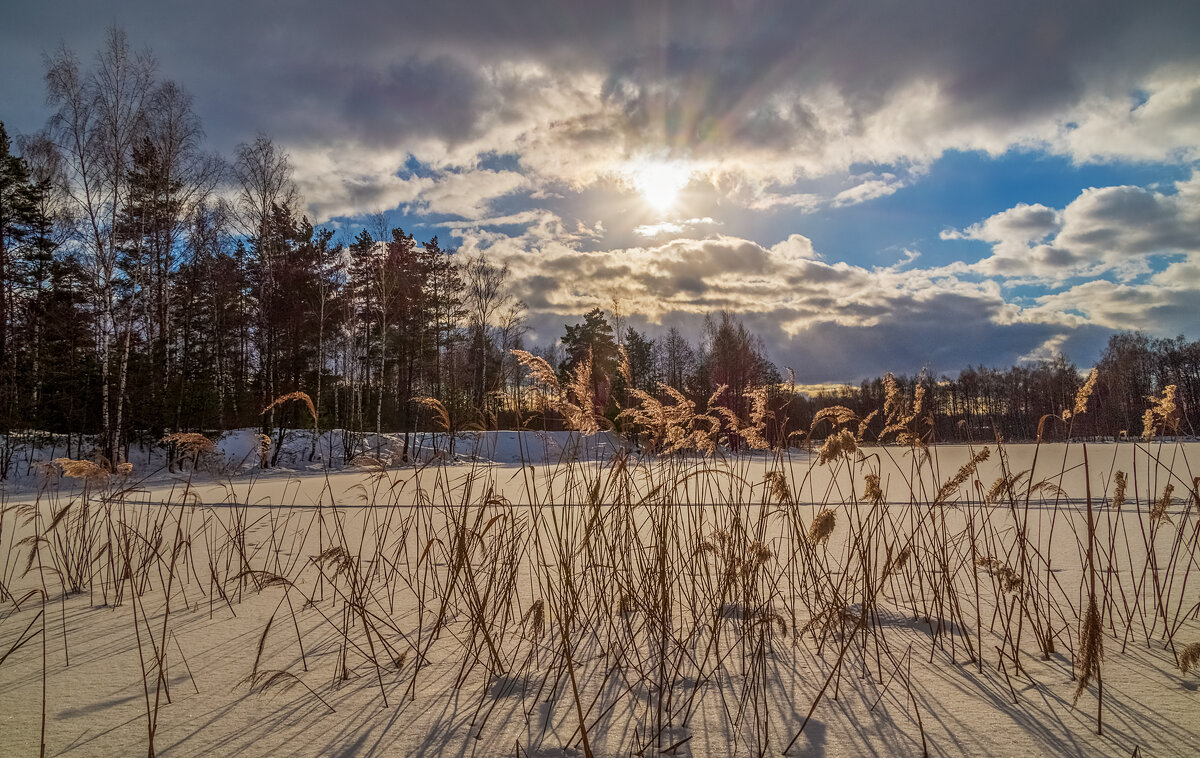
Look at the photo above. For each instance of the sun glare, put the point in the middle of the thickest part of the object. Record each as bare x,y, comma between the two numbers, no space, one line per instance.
659,182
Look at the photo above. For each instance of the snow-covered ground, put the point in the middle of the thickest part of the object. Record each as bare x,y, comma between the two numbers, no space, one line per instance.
237,452
688,606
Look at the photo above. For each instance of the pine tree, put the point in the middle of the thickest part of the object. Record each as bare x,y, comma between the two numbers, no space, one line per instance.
592,339
18,208
642,369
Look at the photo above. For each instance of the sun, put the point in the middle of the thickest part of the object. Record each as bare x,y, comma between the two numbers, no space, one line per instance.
659,181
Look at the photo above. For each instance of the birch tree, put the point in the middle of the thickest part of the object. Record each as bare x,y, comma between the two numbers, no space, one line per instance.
99,117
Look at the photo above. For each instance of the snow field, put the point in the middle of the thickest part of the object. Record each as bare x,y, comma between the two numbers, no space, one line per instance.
682,606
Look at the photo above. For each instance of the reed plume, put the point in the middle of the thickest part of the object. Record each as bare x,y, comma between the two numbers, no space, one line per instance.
439,410
189,443
264,449
1189,657
821,527
539,370
838,415
675,427
840,445
872,492
578,415
1091,647
1082,397
897,420
1158,511
85,470
778,487
1162,416
1010,581
534,619
297,395
964,472
760,414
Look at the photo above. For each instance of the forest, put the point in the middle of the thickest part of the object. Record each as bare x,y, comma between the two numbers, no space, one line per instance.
150,286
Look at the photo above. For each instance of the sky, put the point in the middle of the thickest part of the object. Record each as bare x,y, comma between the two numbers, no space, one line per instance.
869,186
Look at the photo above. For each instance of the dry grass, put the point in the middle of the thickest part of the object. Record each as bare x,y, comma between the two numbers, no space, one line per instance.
1189,657
600,591
1091,649
297,396
439,411
189,443
1162,417
86,470
822,527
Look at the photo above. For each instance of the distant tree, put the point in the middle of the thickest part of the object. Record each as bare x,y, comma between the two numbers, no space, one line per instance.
592,339
442,297
1126,379
403,288
486,299
211,314
327,261
643,370
736,359
47,229
170,178
676,358
266,199
1177,362
18,206
509,335
70,373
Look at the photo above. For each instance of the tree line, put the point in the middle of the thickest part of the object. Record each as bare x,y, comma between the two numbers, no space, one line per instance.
982,403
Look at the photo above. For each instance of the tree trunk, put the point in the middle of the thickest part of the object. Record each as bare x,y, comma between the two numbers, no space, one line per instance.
124,371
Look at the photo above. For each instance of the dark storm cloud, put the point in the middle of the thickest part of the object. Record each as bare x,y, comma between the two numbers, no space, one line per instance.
996,63
943,334
697,71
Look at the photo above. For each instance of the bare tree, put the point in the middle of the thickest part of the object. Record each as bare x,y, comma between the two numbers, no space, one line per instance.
510,334
98,120
485,298
186,180
677,359
264,178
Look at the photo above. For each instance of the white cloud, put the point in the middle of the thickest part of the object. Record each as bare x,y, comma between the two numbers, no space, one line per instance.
777,110
1047,351
1020,224
1164,305
673,227
771,94
803,201
1162,125
868,189
1114,230
572,128
341,180
469,193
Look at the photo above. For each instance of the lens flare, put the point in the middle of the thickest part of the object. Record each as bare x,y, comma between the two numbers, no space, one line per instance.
659,181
